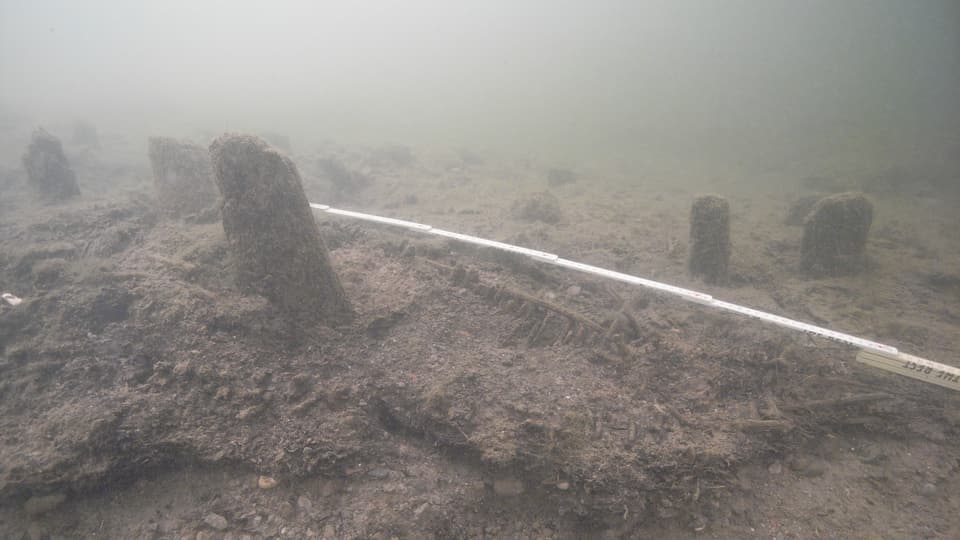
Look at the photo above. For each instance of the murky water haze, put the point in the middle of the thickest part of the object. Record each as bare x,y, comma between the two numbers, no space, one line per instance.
664,88
182,357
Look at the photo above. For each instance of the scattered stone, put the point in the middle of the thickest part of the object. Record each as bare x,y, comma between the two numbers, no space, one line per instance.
329,532
563,486
835,235
48,172
543,206
508,487
775,468
800,209
304,503
272,232
215,521
710,238
182,176
928,489
379,473
266,482
42,504
573,290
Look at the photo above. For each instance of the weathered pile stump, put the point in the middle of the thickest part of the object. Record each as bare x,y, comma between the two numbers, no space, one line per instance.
835,235
710,238
182,176
48,172
271,230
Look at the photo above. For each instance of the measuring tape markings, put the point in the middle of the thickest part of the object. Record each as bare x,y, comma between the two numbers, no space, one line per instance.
913,367
871,353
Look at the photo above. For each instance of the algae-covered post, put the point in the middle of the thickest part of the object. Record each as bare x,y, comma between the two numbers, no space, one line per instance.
835,235
182,176
710,238
272,232
48,171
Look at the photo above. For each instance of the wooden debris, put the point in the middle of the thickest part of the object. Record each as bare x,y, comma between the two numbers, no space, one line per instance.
573,328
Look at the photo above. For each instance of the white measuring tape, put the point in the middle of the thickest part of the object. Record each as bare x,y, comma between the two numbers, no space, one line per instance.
871,353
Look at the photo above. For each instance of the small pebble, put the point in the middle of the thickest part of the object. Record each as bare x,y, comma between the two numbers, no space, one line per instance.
215,521
775,468
379,473
928,489
266,482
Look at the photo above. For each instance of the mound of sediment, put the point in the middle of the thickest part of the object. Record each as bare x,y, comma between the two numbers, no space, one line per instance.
150,355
